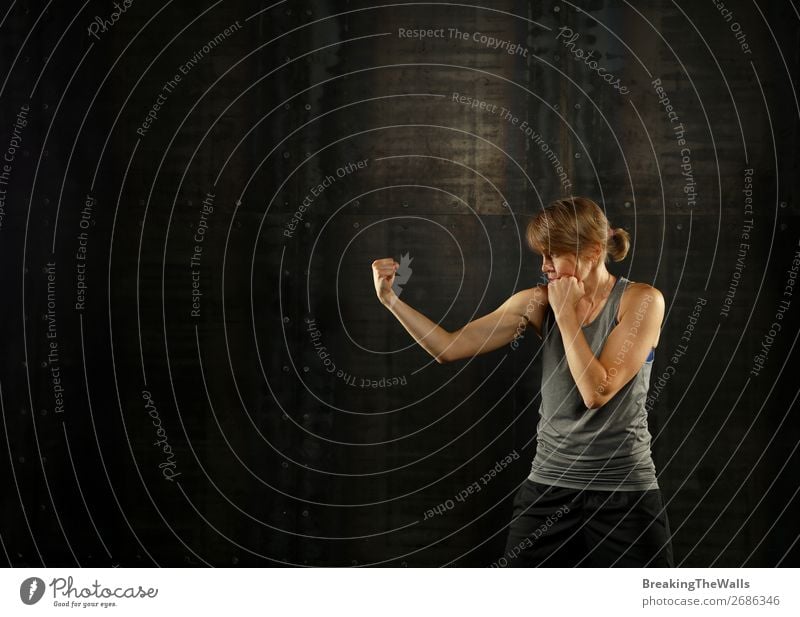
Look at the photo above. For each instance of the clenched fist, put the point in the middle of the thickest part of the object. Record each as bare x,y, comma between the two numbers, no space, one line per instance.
564,293
383,271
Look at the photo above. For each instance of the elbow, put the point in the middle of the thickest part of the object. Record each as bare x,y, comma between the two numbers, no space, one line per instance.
591,402
446,355
597,399
594,403
599,394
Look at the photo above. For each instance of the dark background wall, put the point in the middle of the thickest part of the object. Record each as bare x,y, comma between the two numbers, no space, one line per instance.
265,456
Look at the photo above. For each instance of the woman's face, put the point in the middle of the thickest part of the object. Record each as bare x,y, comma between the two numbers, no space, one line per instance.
556,264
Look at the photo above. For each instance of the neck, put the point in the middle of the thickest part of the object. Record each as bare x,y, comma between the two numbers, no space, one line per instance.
597,283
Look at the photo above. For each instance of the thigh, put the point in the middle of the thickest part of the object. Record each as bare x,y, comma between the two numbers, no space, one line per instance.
545,528
627,529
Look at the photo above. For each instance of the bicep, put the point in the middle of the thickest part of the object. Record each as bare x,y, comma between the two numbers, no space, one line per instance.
631,341
492,331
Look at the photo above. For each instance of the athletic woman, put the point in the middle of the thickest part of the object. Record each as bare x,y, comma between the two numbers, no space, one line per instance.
592,498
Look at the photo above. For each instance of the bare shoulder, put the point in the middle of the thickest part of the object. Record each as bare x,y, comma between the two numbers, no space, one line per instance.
639,297
643,301
530,304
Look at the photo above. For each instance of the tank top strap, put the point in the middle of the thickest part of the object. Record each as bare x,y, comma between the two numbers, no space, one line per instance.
615,298
606,320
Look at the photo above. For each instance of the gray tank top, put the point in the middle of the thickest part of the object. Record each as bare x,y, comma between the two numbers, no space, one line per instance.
596,449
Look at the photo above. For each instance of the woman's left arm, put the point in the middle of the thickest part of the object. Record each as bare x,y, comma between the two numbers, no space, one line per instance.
627,346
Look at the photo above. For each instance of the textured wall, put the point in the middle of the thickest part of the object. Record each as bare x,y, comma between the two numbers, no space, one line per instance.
217,338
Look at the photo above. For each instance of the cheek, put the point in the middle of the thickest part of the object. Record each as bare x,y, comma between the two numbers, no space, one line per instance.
580,270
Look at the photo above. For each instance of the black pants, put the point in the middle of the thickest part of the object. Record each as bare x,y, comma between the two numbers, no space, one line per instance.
564,527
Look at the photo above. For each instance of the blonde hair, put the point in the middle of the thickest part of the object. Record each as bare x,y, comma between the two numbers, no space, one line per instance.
573,225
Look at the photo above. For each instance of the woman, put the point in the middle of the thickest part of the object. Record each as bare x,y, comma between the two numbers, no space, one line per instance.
592,498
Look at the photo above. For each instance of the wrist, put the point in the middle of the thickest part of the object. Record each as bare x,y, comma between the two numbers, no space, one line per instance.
566,315
389,300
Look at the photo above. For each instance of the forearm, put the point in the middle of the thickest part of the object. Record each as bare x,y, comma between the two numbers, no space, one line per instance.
587,371
432,338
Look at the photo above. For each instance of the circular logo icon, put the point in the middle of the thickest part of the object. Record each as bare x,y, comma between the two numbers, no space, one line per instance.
31,590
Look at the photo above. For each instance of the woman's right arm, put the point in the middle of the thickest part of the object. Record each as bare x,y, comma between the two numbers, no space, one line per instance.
482,335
